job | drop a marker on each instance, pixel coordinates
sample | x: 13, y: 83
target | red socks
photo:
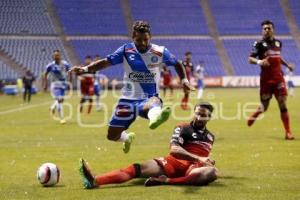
x: 118, y: 176
x: 286, y: 121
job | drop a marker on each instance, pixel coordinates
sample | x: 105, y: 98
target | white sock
x: 154, y: 112
x: 200, y: 93
x: 53, y: 106
x: 61, y: 110
x: 97, y: 101
x: 123, y: 137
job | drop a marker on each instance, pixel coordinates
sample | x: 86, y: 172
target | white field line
x: 23, y: 108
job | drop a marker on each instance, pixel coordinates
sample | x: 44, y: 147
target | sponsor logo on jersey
x: 277, y: 44
x: 264, y: 44
x: 154, y: 59
x: 142, y: 77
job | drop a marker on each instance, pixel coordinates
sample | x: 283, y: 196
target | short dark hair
x: 56, y: 50
x: 88, y: 57
x: 205, y: 105
x: 141, y: 27
x: 267, y: 22
x: 188, y: 53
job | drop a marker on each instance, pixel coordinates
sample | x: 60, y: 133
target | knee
x: 113, y: 135
x: 208, y: 176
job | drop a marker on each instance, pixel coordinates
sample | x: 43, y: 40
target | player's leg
x: 197, y: 176
x: 24, y: 94
x: 97, y: 93
x: 81, y: 103
x: 146, y: 169
x: 29, y: 94
x: 90, y: 104
x: 152, y: 109
x: 60, y: 109
x: 265, y: 101
x: 284, y: 116
x: 200, y: 89
x: 164, y: 90
x: 184, y: 100
x: 124, y: 114
x: 55, y: 92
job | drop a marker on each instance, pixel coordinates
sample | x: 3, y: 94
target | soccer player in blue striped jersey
x: 142, y: 61
x: 57, y: 70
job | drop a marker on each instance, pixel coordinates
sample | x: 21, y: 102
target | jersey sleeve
x: 169, y: 58
x: 177, y: 136
x: 254, y: 51
x: 67, y: 65
x: 48, y: 68
x: 116, y: 57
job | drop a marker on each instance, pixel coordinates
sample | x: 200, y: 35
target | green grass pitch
x: 255, y: 163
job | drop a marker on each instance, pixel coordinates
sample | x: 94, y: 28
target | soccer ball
x: 48, y: 174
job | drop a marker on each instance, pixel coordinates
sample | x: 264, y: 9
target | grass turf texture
x: 255, y: 163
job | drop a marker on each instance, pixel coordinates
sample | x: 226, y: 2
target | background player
x: 267, y: 54
x: 199, y: 75
x: 86, y: 87
x: 187, y: 164
x: 290, y: 84
x: 58, y: 72
x: 140, y: 94
x: 167, y: 80
x: 28, y: 80
x: 189, y: 68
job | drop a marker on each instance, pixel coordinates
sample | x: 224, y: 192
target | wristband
x: 85, y: 69
x: 185, y: 81
x: 259, y: 62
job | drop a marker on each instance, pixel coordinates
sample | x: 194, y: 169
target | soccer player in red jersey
x: 187, y: 164
x: 167, y: 79
x: 267, y: 54
x: 87, y: 87
x: 189, y: 68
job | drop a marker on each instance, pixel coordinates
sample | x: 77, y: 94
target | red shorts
x: 278, y: 89
x: 167, y: 82
x: 176, y: 168
x: 87, y: 88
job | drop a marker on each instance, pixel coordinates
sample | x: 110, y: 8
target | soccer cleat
x: 63, y: 121
x: 128, y: 142
x: 250, y: 122
x: 289, y: 136
x: 86, y: 175
x: 161, y: 118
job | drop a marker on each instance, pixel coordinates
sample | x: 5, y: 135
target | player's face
x: 56, y: 56
x: 141, y: 41
x: 188, y: 57
x: 267, y: 31
x: 201, y: 117
x: 87, y: 61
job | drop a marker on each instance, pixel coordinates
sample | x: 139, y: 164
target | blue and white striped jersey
x: 142, y: 71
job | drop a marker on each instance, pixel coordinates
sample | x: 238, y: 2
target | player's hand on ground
x: 77, y: 70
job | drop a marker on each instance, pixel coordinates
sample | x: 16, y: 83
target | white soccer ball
x: 48, y: 174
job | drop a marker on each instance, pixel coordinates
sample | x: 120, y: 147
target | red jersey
x: 166, y: 75
x: 270, y: 49
x: 189, y: 68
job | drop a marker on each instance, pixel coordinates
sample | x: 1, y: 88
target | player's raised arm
x: 93, y: 67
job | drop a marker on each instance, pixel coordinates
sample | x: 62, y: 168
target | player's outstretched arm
x: 93, y: 67
x: 182, y: 75
x: 264, y: 62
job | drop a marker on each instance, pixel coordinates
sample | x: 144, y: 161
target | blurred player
x: 167, y: 80
x: 267, y: 54
x: 28, y: 80
x: 97, y: 85
x: 57, y: 70
x: 199, y: 75
x: 189, y: 68
x: 87, y: 87
x: 290, y: 83
x: 187, y: 164
x: 142, y: 63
